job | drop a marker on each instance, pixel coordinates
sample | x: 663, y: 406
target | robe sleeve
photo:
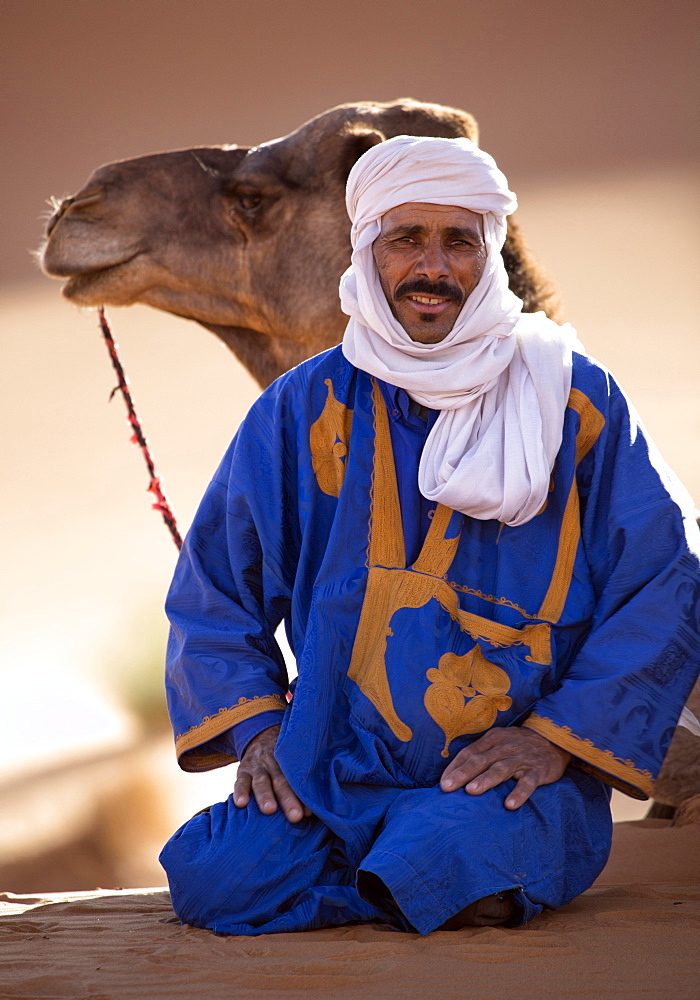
x: 616, y: 707
x: 226, y: 678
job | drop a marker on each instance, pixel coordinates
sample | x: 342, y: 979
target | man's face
x: 429, y: 258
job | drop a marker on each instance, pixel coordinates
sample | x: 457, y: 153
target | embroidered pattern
x: 591, y: 424
x: 471, y: 677
x: 629, y: 778
x: 329, y: 437
x: 503, y: 601
x: 386, y: 544
x: 391, y: 586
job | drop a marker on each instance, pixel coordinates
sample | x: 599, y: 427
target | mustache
x: 441, y: 289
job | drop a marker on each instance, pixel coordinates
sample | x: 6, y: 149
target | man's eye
x: 249, y: 202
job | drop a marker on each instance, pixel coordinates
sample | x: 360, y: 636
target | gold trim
x: 502, y: 601
x: 438, y: 552
x: 466, y: 694
x: 329, y: 439
x: 390, y: 590
x: 386, y: 546
x: 569, y: 535
x: 368, y: 662
x: 591, y: 423
x: 391, y: 586
x: 536, y: 636
x: 629, y: 778
x: 214, y: 725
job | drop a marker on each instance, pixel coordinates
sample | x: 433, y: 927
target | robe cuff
x: 602, y: 764
x: 234, y: 741
x: 244, y: 732
x: 198, y: 748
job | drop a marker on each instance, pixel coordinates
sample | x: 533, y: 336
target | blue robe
x: 415, y: 630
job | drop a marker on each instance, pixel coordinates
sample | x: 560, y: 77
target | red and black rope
x: 138, y: 436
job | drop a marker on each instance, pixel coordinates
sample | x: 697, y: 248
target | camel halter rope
x: 138, y: 437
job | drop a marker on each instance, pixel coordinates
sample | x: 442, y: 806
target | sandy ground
x: 633, y: 935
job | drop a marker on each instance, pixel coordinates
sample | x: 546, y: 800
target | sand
x: 634, y: 934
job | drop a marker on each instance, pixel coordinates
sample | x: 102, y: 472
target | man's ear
x: 355, y: 141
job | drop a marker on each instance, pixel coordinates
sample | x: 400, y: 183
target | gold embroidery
x: 570, y: 532
x: 390, y: 590
x: 536, y: 636
x: 622, y: 774
x: 471, y: 677
x: 329, y: 437
x: 214, y: 725
x: 590, y: 426
x: 391, y: 587
x: 386, y: 547
x: 368, y: 665
x: 438, y: 552
x: 503, y: 601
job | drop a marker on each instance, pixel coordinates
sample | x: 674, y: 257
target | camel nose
x: 84, y: 199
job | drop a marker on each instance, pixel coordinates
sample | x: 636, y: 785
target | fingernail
x: 295, y: 814
x: 447, y: 784
x: 472, y: 786
x: 510, y: 803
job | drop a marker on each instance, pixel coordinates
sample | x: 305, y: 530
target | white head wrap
x: 501, y: 377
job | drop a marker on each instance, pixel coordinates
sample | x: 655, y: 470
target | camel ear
x: 355, y: 142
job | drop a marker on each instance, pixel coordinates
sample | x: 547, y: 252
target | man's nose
x: 432, y: 262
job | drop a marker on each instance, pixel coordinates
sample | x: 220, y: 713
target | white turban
x: 501, y: 377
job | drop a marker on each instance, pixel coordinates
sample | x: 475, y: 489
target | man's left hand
x: 504, y: 753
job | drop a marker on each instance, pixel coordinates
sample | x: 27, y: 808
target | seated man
x: 486, y: 577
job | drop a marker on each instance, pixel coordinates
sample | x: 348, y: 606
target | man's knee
x: 213, y: 860
x: 230, y: 863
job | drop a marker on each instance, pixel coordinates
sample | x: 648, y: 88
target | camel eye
x: 249, y: 202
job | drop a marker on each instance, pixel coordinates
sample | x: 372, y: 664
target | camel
x: 250, y: 243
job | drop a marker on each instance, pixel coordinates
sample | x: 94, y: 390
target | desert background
x: 588, y: 109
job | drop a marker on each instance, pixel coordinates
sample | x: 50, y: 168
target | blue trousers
x: 237, y: 871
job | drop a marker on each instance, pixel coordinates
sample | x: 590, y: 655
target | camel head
x: 249, y: 242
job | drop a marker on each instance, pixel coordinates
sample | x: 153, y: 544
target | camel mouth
x: 88, y: 286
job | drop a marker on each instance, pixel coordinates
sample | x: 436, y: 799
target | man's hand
x: 259, y: 771
x: 505, y: 753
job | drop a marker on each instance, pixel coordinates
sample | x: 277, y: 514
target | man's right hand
x: 259, y: 771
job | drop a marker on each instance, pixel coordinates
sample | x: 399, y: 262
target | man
x: 486, y: 578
